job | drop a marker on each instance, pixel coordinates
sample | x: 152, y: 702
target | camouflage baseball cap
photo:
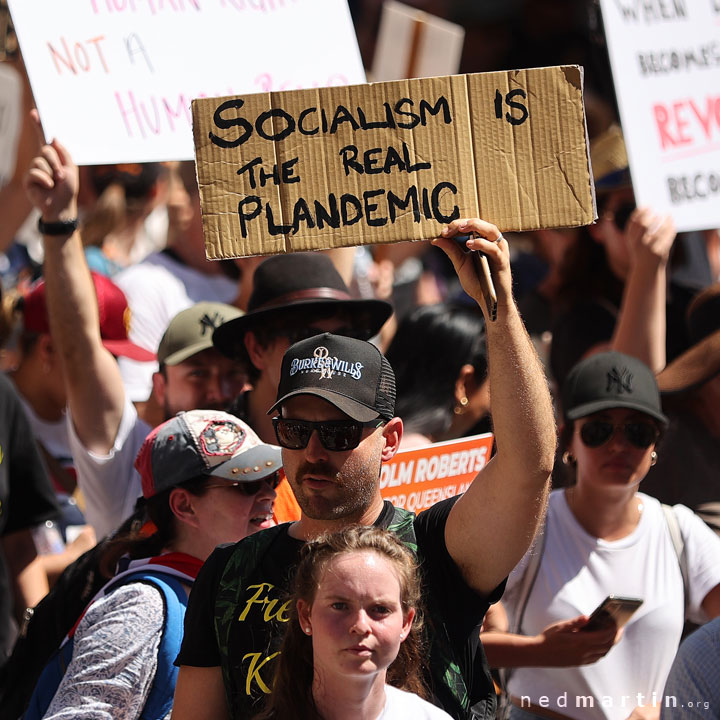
x: 191, y: 331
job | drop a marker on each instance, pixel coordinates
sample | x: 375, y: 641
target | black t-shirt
x: 260, y: 607
x: 26, y: 494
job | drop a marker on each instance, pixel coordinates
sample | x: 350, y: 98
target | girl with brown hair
x: 353, y: 644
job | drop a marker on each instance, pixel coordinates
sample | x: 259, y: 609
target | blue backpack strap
x: 160, y: 699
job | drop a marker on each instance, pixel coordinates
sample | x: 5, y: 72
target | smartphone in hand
x: 615, y: 610
x: 483, y: 270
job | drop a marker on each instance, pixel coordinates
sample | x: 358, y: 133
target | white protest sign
x: 10, y: 119
x: 411, y: 44
x: 665, y: 56
x: 113, y: 79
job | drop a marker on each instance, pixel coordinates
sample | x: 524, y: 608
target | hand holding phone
x: 614, y: 609
x: 482, y: 268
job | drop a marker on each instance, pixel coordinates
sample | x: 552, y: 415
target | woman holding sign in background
x: 602, y: 538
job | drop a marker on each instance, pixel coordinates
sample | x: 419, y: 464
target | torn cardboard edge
x: 393, y: 161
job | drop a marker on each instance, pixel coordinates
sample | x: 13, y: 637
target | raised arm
x: 95, y: 391
x: 492, y: 525
x: 641, y: 324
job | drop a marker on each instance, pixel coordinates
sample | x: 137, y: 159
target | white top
x: 114, y: 657
x: 158, y: 289
x: 400, y: 705
x: 578, y: 571
x: 109, y: 483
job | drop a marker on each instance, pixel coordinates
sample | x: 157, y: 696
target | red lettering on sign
x: 687, y: 122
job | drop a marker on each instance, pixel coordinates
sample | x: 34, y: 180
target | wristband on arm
x: 60, y: 227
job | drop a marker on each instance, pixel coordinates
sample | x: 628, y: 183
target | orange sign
x: 416, y: 479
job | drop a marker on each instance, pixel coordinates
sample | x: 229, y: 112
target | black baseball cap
x: 351, y: 374
x: 611, y: 380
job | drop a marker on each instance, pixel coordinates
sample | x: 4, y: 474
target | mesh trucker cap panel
x: 385, y: 394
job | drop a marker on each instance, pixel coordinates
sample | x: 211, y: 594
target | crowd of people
x: 190, y: 507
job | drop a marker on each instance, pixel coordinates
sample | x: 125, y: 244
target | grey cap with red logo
x: 351, y: 374
x: 203, y: 442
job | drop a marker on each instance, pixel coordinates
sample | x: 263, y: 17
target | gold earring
x: 653, y: 458
x: 567, y: 458
x: 460, y: 408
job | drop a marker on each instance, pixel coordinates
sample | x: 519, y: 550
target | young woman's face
x: 624, y: 457
x: 356, y: 620
x: 227, y: 514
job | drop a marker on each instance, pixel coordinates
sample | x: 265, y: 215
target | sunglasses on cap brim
x: 335, y: 435
x: 639, y: 433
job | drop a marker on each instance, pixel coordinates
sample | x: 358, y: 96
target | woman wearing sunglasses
x: 207, y: 479
x: 602, y: 537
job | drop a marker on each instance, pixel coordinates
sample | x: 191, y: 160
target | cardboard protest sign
x: 416, y: 479
x: 113, y: 79
x: 384, y: 162
x: 665, y: 58
x: 411, y: 43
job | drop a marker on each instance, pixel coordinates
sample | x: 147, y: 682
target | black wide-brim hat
x: 307, y: 281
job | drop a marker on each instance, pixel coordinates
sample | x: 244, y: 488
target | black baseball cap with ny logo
x: 351, y: 374
x: 611, y: 380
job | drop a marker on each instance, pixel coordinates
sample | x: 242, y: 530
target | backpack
x: 46, y: 625
x: 160, y: 699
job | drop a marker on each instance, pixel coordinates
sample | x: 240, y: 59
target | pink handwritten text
x: 154, y: 6
x: 79, y: 56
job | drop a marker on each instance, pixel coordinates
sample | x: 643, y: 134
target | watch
x: 60, y: 227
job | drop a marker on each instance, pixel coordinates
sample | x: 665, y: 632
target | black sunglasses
x: 335, y: 435
x: 249, y: 487
x: 639, y: 434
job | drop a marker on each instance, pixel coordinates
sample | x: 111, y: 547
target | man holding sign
x: 335, y: 420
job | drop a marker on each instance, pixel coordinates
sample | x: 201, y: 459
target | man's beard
x: 352, y: 491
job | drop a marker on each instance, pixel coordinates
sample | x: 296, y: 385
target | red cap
x: 114, y: 317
